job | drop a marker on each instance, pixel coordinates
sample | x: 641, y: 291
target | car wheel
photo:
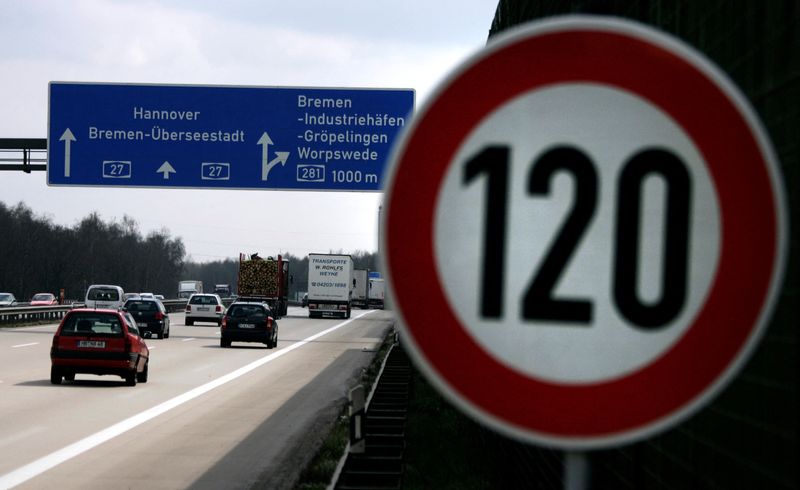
x: 160, y: 335
x: 224, y: 343
x: 142, y: 377
x: 166, y: 335
x: 189, y: 323
x: 69, y: 376
x: 131, y: 378
x: 55, y: 375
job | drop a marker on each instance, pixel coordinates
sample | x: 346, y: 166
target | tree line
x: 37, y: 255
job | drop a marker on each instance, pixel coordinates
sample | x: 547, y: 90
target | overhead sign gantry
x: 294, y: 138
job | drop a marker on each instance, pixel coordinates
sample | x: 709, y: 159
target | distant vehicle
x: 360, y: 288
x: 204, y: 308
x: 128, y: 296
x: 223, y: 290
x: 159, y: 296
x: 150, y: 315
x: 44, y: 299
x: 105, y: 296
x: 249, y: 322
x: 147, y: 295
x: 330, y: 285
x: 377, y: 291
x: 7, y: 299
x: 264, y: 280
x: 98, y: 342
x: 188, y: 288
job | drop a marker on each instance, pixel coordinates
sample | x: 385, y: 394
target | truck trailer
x: 377, y: 291
x: 188, y: 288
x: 360, y: 288
x: 264, y: 280
x: 330, y: 285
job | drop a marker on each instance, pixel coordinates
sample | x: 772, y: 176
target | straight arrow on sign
x: 67, y: 138
x: 166, y: 169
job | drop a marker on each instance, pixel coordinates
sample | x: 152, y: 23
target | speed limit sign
x: 585, y: 233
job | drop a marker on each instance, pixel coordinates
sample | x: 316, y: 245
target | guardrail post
x: 357, y: 411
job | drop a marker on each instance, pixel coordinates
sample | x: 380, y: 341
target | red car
x: 98, y: 342
x: 44, y: 299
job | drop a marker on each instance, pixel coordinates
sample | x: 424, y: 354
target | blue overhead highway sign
x: 293, y: 138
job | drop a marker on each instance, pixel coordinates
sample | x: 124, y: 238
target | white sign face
x: 607, y: 344
x: 570, y: 233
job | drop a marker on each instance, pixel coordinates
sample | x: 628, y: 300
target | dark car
x: 249, y: 322
x: 98, y: 342
x: 150, y: 315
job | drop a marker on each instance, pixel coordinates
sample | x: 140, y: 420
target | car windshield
x: 42, y: 297
x: 246, y: 311
x: 141, y: 305
x: 203, y: 300
x: 94, y: 324
x: 104, y: 294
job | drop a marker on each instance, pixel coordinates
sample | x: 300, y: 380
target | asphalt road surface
x: 208, y: 417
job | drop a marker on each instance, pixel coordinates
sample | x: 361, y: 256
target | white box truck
x: 330, y: 285
x: 377, y: 291
x: 188, y: 288
x: 360, y: 288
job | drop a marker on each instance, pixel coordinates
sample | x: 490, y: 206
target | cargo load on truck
x: 264, y: 279
x: 330, y: 285
x: 360, y: 287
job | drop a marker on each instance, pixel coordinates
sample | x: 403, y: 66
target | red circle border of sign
x: 724, y: 330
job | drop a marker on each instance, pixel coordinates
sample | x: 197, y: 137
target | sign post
x: 598, y: 230
x: 293, y: 138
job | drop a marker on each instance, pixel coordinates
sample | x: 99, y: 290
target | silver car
x: 203, y: 307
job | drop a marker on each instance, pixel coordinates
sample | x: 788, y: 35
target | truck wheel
x: 189, y: 323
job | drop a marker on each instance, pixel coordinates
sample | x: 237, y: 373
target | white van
x: 104, y: 296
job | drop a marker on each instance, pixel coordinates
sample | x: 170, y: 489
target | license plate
x: 92, y: 344
x: 203, y: 308
x: 246, y: 325
x: 327, y: 307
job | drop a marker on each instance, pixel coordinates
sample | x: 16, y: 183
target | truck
x: 266, y: 280
x: 188, y: 288
x: 360, y: 288
x: 377, y: 291
x: 223, y: 290
x: 330, y: 285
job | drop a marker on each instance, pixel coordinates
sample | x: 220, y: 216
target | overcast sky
x: 318, y: 43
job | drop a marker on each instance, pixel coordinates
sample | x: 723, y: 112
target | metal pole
x: 576, y: 470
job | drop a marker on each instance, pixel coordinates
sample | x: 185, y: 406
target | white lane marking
x: 24, y: 345
x: 189, y: 339
x: 45, y: 463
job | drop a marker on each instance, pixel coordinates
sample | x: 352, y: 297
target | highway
x: 207, y: 418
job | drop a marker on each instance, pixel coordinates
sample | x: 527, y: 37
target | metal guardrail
x: 22, y: 313
x: 33, y: 314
